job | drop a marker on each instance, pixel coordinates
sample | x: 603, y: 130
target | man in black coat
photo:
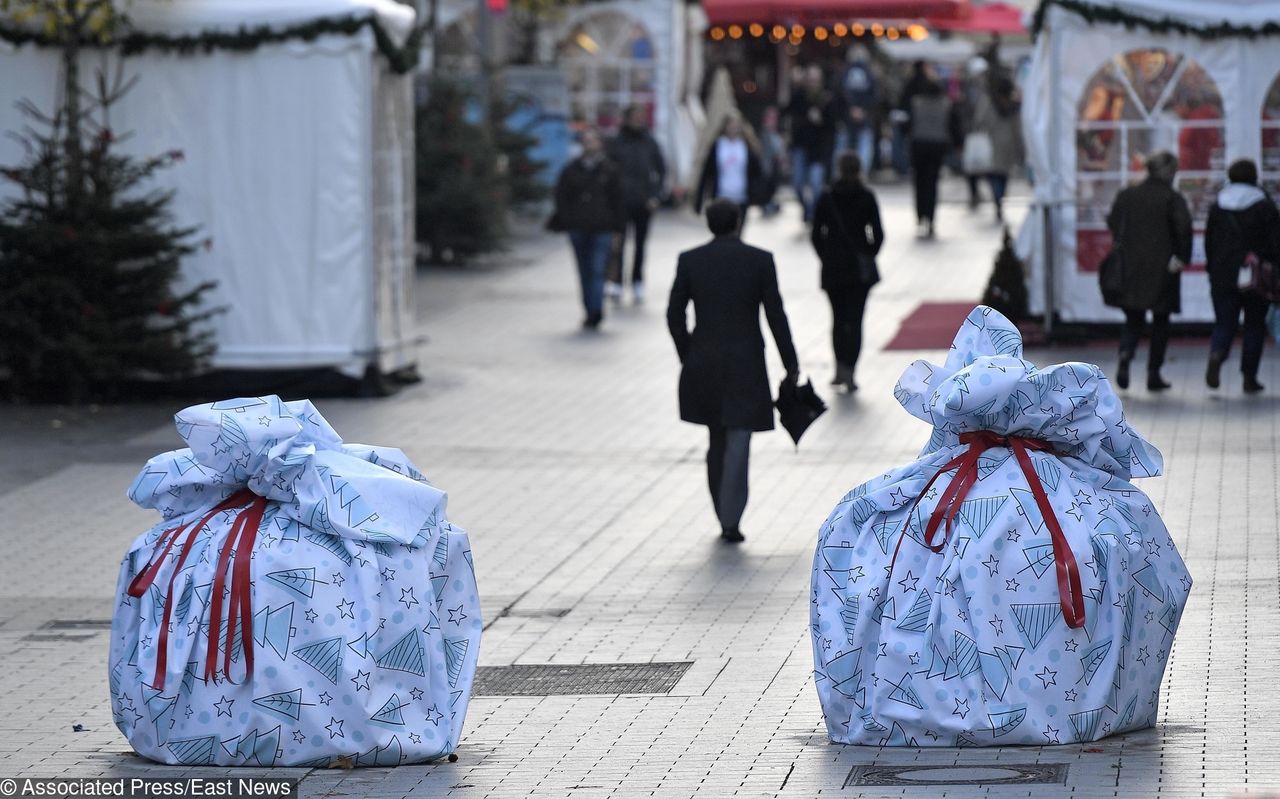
x: 643, y: 172
x: 1151, y: 225
x: 723, y: 383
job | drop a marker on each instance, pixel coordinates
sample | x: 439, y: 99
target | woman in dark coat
x: 1242, y: 220
x: 1151, y: 224
x: 846, y: 232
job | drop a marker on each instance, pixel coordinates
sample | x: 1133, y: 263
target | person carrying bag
x: 847, y: 235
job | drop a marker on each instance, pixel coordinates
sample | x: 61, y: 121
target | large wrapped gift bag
x: 304, y: 600
x: 1012, y: 586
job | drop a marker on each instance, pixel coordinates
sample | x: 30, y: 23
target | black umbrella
x: 798, y: 407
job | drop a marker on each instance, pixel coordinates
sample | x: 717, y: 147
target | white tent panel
x: 1068, y: 53
x: 289, y: 170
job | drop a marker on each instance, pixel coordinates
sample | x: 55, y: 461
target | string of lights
x: 833, y: 33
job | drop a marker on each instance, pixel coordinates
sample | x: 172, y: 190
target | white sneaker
x: 637, y: 293
x: 613, y: 291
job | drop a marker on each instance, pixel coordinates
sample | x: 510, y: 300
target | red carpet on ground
x: 931, y: 326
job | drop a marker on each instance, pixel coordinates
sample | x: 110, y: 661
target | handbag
x: 1257, y: 275
x: 1111, y: 272
x: 979, y: 153
x: 1264, y: 278
x: 867, y: 271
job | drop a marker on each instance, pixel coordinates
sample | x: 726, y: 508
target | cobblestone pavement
x: 595, y: 543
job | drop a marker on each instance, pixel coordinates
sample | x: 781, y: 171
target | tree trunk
x: 71, y: 111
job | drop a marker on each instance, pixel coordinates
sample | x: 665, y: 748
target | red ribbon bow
x: 1070, y: 594
x: 244, y: 530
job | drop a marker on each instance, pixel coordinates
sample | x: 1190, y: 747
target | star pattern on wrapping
x: 415, y: 737
x: 311, y: 615
x: 407, y: 597
x: 361, y: 680
x: 337, y: 578
x: 345, y: 609
x: 1071, y: 695
x: 335, y: 728
x: 434, y: 716
x: 388, y: 573
x: 224, y: 706
x: 325, y: 698
x: 1012, y: 585
x: 909, y: 579
x: 914, y: 657
x: 1075, y: 512
x: 1070, y: 645
x: 997, y: 624
x: 826, y: 644
x: 1143, y: 654
x: 962, y: 708
x: 416, y: 693
x: 1048, y: 677
x: 1014, y: 535
x: 298, y: 736
x: 897, y: 497
x: 993, y: 565
x: 1050, y: 734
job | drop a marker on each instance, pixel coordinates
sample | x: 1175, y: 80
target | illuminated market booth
x: 1112, y: 81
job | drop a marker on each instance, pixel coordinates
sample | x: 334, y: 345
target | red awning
x: 988, y: 18
x: 721, y: 12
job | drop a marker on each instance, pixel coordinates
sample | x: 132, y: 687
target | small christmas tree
x: 469, y: 172
x: 461, y: 202
x: 89, y: 263
x: 1007, y: 288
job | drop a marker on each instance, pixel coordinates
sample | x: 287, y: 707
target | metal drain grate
x: 535, y: 613
x: 590, y: 678
x: 992, y: 774
x: 69, y: 630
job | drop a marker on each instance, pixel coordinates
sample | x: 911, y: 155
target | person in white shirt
x: 732, y: 169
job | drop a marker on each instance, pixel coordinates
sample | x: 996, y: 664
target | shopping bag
x: 1011, y: 586
x: 303, y: 602
x: 978, y: 156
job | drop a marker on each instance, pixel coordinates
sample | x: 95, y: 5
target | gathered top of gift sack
x: 286, y: 452
x: 305, y: 602
x: 986, y: 385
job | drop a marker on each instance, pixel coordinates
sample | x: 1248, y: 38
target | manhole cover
x: 590, y: 678
x: 1001, y: 774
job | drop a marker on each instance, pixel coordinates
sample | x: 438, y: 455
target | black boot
x: 1156, y: 383
x: 1251, y: 384
x: 732, y: 535
x: 1213, y: 373
x: 1122, y: 373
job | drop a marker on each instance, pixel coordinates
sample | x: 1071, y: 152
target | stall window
x: 608, y: 63
x: 1271, y: 139
x: 1139, y: 102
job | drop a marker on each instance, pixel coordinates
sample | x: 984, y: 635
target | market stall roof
x: 986, y: 18
x: 1195, y: 17
x: 724, y: 11
x: 188, y: 16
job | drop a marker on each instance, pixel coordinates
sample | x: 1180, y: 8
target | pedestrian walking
x: 997, y: 116
x: 1243, y: 221
x: 859, y: 96
x: 774, y: 162
x: 1151, y: 226
x: 932, y: 129
x: 977, y: 154
x: 589, y: 208
x: 643, y: 172
x: 731, y: 171
x: 811, y: 115
x: 724, y: 383
x: 847, y: 236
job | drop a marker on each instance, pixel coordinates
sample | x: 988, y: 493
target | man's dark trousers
x: 727, y: 460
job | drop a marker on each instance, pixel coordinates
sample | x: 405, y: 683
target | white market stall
x: 298, y: 167
x: 1112, y: 80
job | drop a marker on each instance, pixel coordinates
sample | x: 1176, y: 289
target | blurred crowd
x: 909, y: 121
